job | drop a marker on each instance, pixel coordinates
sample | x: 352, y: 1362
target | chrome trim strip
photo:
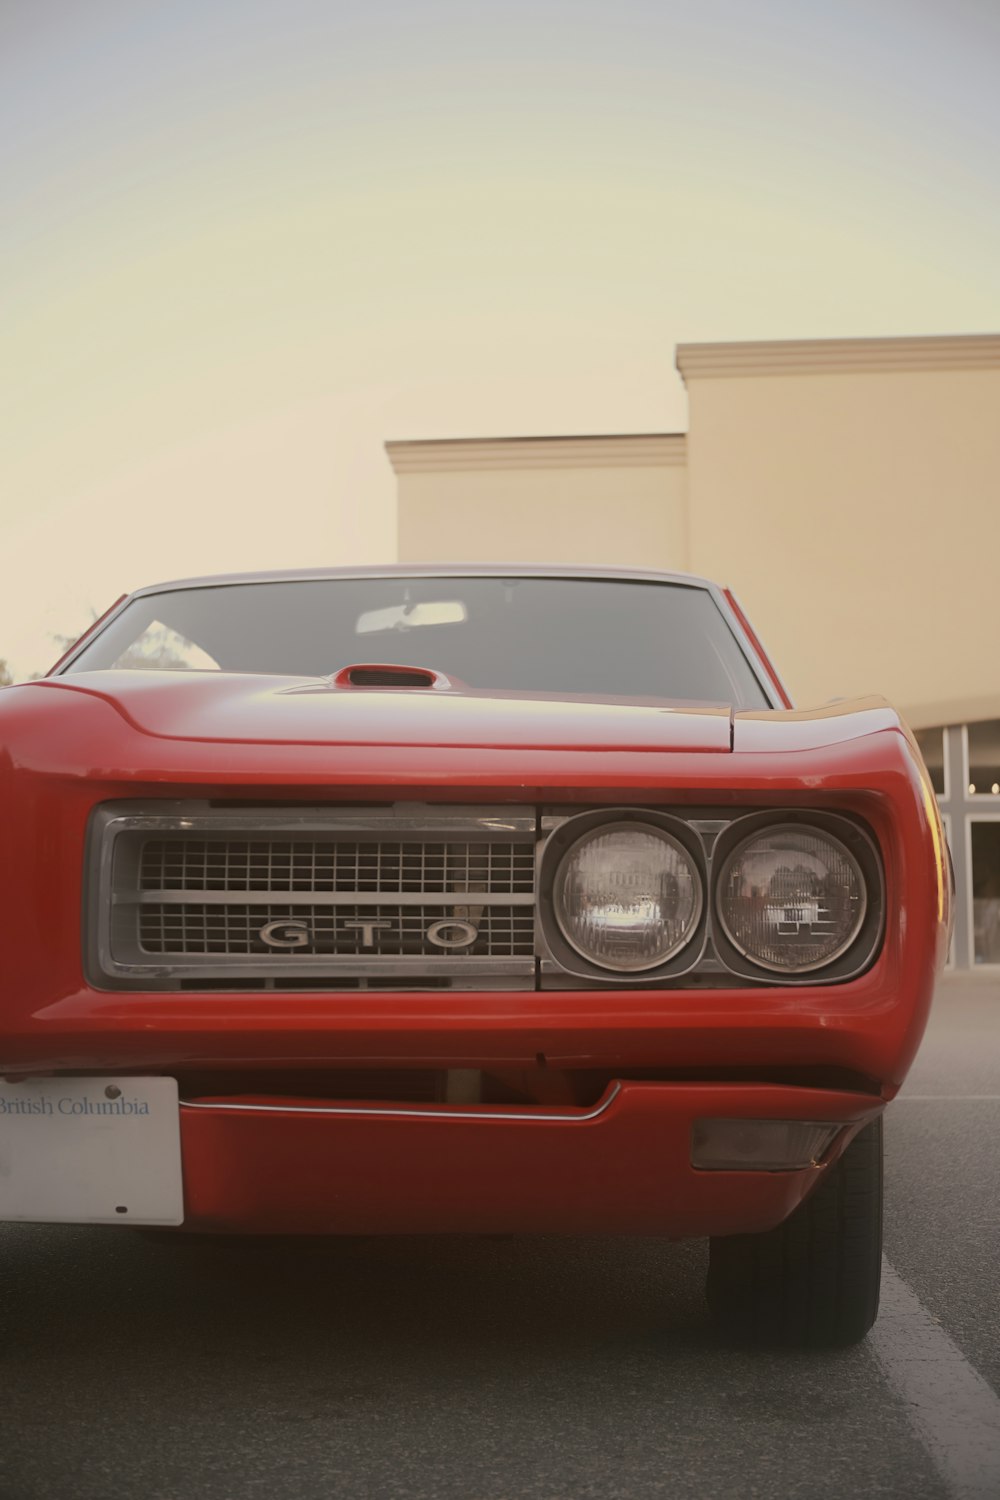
x: 334, y: 966
x: 398, y: 818
x: 425, y: 570
x: 242, y: 895
x: 60, y: 668
x: 746, y: 647
x: 423, y: 1114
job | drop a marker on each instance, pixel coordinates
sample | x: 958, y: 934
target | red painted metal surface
x: 244, y: 710
x: 68, y: 744
x: 626, y: 1169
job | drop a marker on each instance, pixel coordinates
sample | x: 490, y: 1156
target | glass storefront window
x: 984, y: 759
x: 931, y: 742
x: 986, y: 890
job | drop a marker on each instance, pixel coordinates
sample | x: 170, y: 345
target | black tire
x: 814, y: 1281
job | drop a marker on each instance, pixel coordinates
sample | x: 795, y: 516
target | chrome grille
x: 188, y: 891
x: 336, y: 865
x: 504, y: 932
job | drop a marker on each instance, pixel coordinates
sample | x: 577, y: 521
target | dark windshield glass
x: 562, y: 635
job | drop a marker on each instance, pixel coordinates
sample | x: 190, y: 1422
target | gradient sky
x: 243, y: 242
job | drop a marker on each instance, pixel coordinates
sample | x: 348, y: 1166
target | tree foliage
x: 157, y: 649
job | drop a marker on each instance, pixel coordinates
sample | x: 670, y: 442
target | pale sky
x: 244, y: 242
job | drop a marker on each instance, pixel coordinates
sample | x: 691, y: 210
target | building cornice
x: 641, y: 450
x: 967, y: 710
x: 973, y: 351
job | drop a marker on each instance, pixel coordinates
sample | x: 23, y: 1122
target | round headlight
x: 791, y: 898
x: 627, y: 896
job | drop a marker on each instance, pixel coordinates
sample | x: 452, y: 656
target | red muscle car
x: 464, y: 899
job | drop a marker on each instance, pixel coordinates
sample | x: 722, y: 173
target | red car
x: 464, y: 899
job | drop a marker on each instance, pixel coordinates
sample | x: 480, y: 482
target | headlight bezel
x: 554, y: 852
x: 709, y: 835
x: 858, y: 951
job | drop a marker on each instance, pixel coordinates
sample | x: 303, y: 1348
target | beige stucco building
x: 847, y: 490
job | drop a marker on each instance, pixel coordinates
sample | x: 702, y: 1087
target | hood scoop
x: 383, y: 675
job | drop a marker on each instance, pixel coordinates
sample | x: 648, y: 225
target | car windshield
x: 593, y: 637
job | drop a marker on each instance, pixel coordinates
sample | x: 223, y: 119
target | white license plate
x: 91, y: 1151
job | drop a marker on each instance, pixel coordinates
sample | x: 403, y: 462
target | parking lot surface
x: 493, y: 1368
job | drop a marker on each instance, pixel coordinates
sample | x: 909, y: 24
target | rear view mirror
x: 403, y: 617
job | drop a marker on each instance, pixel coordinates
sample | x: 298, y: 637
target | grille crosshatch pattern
x: 308, y: 864
x: 201, y: 892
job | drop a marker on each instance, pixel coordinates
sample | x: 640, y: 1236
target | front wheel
x: 813, y: 1282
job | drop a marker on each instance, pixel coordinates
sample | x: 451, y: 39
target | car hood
x: 248, y: 709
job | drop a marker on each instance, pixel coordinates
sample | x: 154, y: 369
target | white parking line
x: 947, y: 1098
x: 955, y: 1413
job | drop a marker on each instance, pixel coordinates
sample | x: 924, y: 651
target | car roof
x: 431, y: 570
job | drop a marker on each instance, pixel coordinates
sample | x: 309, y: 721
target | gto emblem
x: 284, y: 934
x: 448, y: 933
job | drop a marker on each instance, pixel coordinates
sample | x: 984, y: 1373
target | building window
x: 932, y: 748
x: 985, y: 842
x: 984, y: 759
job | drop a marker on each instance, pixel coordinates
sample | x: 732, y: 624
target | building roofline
x: 622, y: 450
x: 965, y: 351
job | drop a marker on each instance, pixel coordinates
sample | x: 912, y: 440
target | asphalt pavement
x: 495, y: 1368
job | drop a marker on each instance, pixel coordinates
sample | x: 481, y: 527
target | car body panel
x: 277, y: 1166
x: 234, y: 708
x: 71, y: 743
